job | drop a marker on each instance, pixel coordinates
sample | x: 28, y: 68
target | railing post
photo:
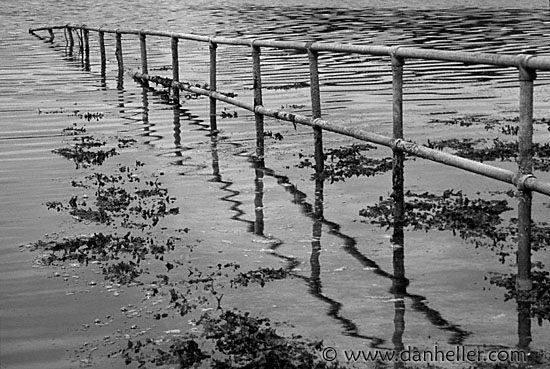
x: 175, y: 69
x: 118, y: 53
x: 213, y: 82
x: 71, y: 40
x: 315, y: 92
x: 143, y: 49
x: 398, y: 155
x: 258, y: 101
x: 525, y: 168
x: 102, y: 53
x: 86, y: 36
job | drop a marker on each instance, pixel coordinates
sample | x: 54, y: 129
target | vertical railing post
x: 143, y: 49
x: 315, y: 92
x: 213, y: 83
x: 118, y: 53
x: 399, y: 282
x: 258, y: 101
x: 102, y: 53
x: 175, y: 69
x: 86, y: 36
x: 398, y: 155
x: 525, y: 169
x: 71, y: 40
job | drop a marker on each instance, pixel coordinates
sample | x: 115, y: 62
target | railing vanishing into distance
x: 527, y: 66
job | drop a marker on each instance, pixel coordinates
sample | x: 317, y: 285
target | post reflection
x: 524, y: 325
x: 398, y: 289
x: 318, y: 209
x: 259, y: 199
x: 216, y: 176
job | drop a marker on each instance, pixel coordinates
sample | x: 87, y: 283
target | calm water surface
x: 342, y: 294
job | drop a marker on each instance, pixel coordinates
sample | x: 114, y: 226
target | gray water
x: 44, y: 91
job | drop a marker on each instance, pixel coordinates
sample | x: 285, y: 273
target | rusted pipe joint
x: 398, y: 144
x: 254, y: 47
x: 396, y: 59
x: 526, y: 73
x: 520, y: 181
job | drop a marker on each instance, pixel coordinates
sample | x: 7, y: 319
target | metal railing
x: 527, y: 65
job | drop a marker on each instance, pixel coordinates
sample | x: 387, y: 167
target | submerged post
x: 118, y: 53
x: 398, y: 155
x: 103, y: 56
x: 315, y: 92
x: 143, y: 49
x: 213, y: 82
x: 258, y: 101
x: 525, y: 168
x: 175, y: 69
x: 86, y: 36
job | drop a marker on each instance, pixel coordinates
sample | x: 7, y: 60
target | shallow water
x: 344, y: 269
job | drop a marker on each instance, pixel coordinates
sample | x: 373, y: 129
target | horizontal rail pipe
x: 502, y: 60
x: 500, y: 174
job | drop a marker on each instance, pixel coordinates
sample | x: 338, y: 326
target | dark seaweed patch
x: 260, y: 276
x: 74, y: 130
x: 346, y: 162
x: 231, y: 340
x: 500, y: 150
x: 538, y: 297
x: 506, y: 126
x: 84, y: 152
x: 115, y: 200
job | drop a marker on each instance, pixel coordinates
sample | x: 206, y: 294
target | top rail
x: 502, y: 60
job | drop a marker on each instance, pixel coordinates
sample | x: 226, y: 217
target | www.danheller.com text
x: 410, y: 354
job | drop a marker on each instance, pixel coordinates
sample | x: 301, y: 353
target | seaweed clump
x: 346, y: 162
x: 477, y: 149
x: 476, y: 220
x: 230, y: 340
x: 84, y: 152
x: 538, y: 297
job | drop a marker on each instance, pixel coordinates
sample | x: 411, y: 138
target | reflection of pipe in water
x: 524, y: 325
x: 399, y: 290
x: 314, y: 281
x: 177, y: 128
x: 258, y: 200
x: 145, y: 106
x: 215, y: 159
